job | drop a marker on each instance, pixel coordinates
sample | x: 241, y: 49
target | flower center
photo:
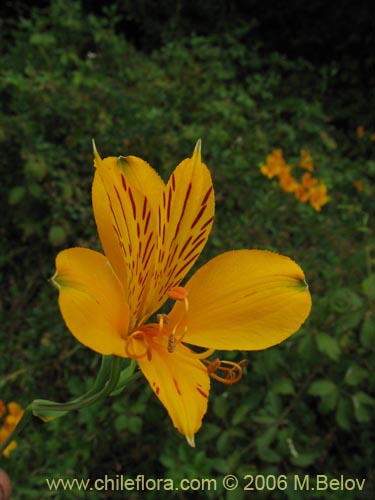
x: 152, y: 335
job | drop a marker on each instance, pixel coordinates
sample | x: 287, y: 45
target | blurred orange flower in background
x: 308, y: 189
x: 14, y: 414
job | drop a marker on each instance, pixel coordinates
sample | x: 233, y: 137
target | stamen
x: 202, y: 355
x: 171, y: 342
x: 177, y: 293
x: 141, y: 336
x: 162, y: 319
x: 232, y: 371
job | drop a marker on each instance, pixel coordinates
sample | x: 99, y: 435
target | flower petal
x: 185, y: 218
x: 92, y: 300
x: 126, y: 224
x: 245, y: 300
x: 181, y: 383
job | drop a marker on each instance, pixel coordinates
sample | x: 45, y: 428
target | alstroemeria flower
x: 152, y: 234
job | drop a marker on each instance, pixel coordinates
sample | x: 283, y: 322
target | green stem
x: 106, y: 382
x: 91, y: 397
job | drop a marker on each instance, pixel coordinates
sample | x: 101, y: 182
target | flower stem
x: 108, y: 378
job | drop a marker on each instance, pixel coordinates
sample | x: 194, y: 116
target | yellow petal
x: 245, y: 300
x: 185, y: 219
x: 92, y: 300
x: 127, y: 223
x: 181, y: 383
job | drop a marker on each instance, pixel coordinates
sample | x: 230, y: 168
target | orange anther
x: 178, y: 293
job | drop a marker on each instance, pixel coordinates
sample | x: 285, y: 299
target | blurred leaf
x: 322, y: 388
x: 368, y: 286
x: 16, y: 195
x: 363, y: 406
x: 328, y: 345
x: 344, y: 413
x: 57, y: 235
x: 367, y: 334
x: 355, y: 375
x: 304, y: 459
x: 283, y: 386
x: 220, y: 407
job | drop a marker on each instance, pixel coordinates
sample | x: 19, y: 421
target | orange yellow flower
x: 303, y: 191
x: 318, y: 196
x: 274, y: 164
x: 358, y: 184
x: 14, y: 415
x: 306, y: 160
x: 360, y: 131
x: 152, y: 233
x: 2, y: 408
x: 287, y: 182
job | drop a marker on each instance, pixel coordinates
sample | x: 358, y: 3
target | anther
x: 178, y: 293
x: 171, y: 342
x: 232, y: 372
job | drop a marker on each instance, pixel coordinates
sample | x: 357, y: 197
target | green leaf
x: 363, y: 406
x: 241, y: 414
x: 368, y: 286
x: 344, y: 413
x: 328, y: 393
x: 283, y: 386
x: 367, y: 334
x: 328, y: 346
x: 304, y: 459
x: 16, y: 195
x: 220, y: 406
x: 265, y: 439
x: 268, y: 455
x: 344, y: 300
x: 57, y: 235
x: 355, y: 375
x: 322, y: 388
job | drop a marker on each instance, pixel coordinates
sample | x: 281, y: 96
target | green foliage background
x: 68, y: 74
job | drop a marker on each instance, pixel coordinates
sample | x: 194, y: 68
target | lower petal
x: 92, y: 300
x: 182, y: 385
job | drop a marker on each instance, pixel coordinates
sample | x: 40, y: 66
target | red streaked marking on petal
x: 206, y: 196
x: 184, y: 247
x: 195, y: 247
x: 176, y: 385
x: 123, y: 182
x: 169, y: 204
x: 198, y: 217
x: 147, y: 222
x: 183, y: 209
x: 207, y: 223
x: 186, y: 264
x: 146, y: 248
x: 133, y: 204
x: 202, y: 393
x: 144, y: 208
x: 149, y: 255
